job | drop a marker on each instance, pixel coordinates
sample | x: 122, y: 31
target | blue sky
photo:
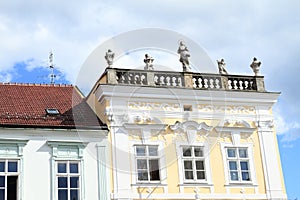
x: 234, y: 30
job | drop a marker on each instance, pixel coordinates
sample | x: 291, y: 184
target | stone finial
x: 221, y: 66
x: 184, y: 56
x: 255, y: 65
x: 109, y: 57
x: 149, y: 62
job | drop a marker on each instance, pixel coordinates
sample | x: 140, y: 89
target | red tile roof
x: 23, y: 105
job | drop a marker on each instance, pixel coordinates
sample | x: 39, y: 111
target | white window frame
x: 249, y: 147
x: 68, y: 175
x: 67, y: 152
x: 6, y: 173
x: 147, y: 157
x: 206, y: 159
x: 193, y: 159
x: 12, y: 150
x: 162, y: 165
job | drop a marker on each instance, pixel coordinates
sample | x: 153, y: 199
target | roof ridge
x: 36, y: 84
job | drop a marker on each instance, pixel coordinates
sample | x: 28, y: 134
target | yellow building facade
x: 185, y: 135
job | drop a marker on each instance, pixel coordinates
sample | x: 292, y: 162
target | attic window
x: 187, y: 108
x: 52, y: 111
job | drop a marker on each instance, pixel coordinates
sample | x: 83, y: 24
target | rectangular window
x: 238, y: 164
x: 9, y: 175
x: 68, y: 180
x: 147, y: 162
x: 193, y: 163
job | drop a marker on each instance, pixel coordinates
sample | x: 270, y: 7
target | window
x: 52, y: 111
x: 9, y: 175
x: 68, y: 180
x: 147, y: 162
x: 238, y: 164
x: 193, y: 163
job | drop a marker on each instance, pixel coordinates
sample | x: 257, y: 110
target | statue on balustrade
x: 255, y: 65
x: 109, y: 57
x: 149, y: 62
x: 221, y: 65
x: 184, y: 56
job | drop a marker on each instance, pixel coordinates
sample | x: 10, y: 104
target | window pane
x: 74, y: 182
x: 13, y: 166
x: 187, y: 152
x: 231, y: 153
x: 62, y: 182
x: 152, y: 151
x: 188, y: 164
x: 74, y: 168
x: 74, y: 195
x: 245, y: 176
x: 2, y: 181
x: 2, y: 193
x: 234, y: 176
x: 154, y: 170
x: 140, y: 150
x: 244, y: 165
x: 243, y: 153
x: 142, y: 175
x: 142, y: 164
x: 232, y: 165
x: 198, y: 152
x: 62, y: 195
x: 2, y: 166
x: 200, y: 175
x: 200, y: 165
x: 189, y: 175
x: 61, y: 167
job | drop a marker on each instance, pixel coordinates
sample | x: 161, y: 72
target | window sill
x: 149, y: 184
x: 242, y: 184
x: 196, y: 184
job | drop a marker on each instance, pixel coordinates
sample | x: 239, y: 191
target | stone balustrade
x: 203, y: 81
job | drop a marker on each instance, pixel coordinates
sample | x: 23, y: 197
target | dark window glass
x: 62, y: 182
x: 198, y: 152
x: 189, y: 175
x: 74, y: 182
x: 234, y: 176
x: 2, y: 194
x: 2, y: 166
x: 200, y: 175
x: 74, y: 168
x: 154, y: 170
x: 152, y: 151
x: 199, y: 165
x: 62, y: 194
x: 243, y: 153
x: 2, y: 181
x: 244, y: 165
x: 188, y: 164
x: 62, y: 168
x: 187, y: 151
x: 142, y: 175
x: 232, y: 165
x: 13, y: 166
x: 231, y: 153
x: 142, y: 164
x: 141, y: 151
x: 74, y: 194
x: 245, y: 176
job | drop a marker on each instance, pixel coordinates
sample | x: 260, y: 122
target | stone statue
x: 184, y: 56
x: 255, y: 65
x: 221, y: 65
x: 149, y: 62
x: 109, y: 57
